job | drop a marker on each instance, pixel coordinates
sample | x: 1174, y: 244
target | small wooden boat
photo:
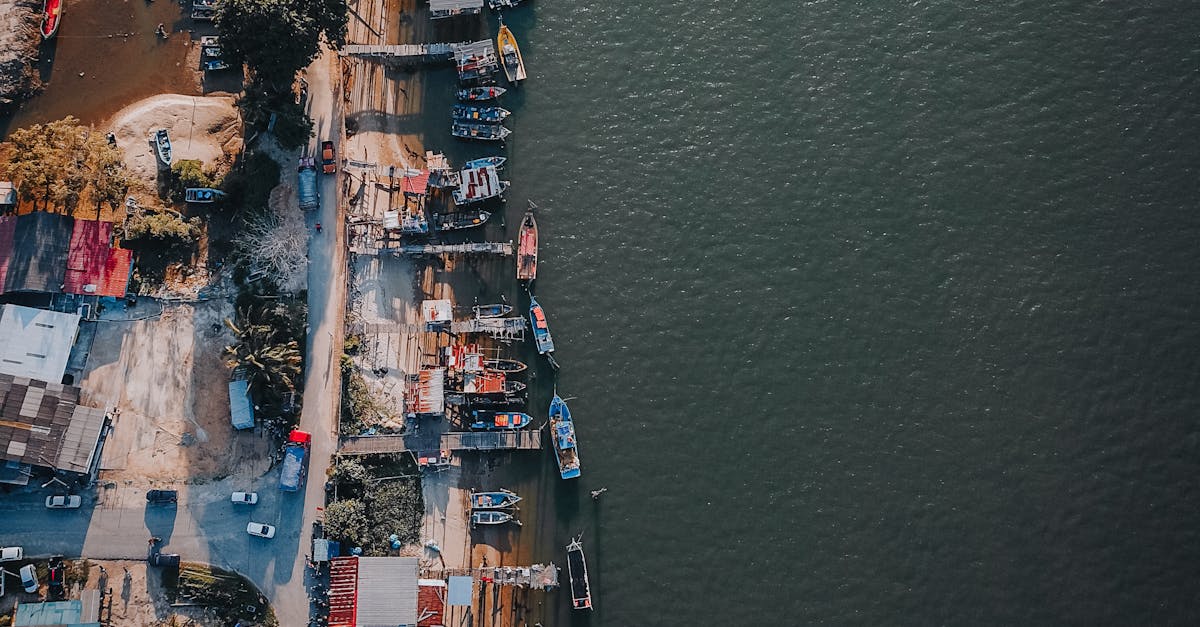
x: 581, y: 592
x: 490, y: 383
x: 496, y: 5
x: 493, y: 402
x: 210, y: 41
x: 473, y: 94
x: 475, y: 164
x: 562, y: 432
x: 527, y: 247
x: 492, y: 517
x: 541, y: 330
x: 507, y: 366
x: 510, y: 55
x: 482, y: 132
x: 202, y: 194
x: 215, y: 65
x: 498, y: 310
x: 203, y: 14
x: 471, y: 113
x: 162, y: 143
x: 212, y: 51
x: 204, y: 4
x: 51, y: 17
x: 484, y: 420
x: 460, y: 220
x: 500, y: 499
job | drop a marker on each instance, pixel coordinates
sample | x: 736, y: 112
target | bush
x: 376, y: 500
x: 187, y: 173
x: 250, y: 184
x: 163, y: 227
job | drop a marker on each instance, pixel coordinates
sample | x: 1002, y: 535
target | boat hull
x: 562, y: 434
x: 507, y: 366
x: 541, y: 329
x: 510, y: 55
x: 52, y: 11
x: 502, y: 499
x: 581, y: 590
x: 527, y: 248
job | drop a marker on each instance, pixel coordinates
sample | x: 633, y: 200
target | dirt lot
x: 164, y: 375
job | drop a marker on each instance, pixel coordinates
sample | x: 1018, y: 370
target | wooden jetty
x: 402, y: 53
x: 470, y: 248
x: 499, y: 328
x: 536, y: 577
x: 525, y: 440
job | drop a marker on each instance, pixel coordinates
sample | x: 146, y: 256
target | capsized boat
x: 541, y: 330
x: 499, y: 420
x: 500, y: 499
x: 51, y: 16
x: 162, y: 143
x: 507, y: 366
x: 527, y: 248
x: 510, y: 55
x: 475, y: 164
x: 497, y: 310
x: 492, y: 517
x: 581, y: 592
x: 482, y: 132
x: 472, y: 94
x: 460, y: 220
x: 472, y: 113
x: 202, y: 194
x: 562, y: 430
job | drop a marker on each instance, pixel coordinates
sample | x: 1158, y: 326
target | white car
x: 11, y: 554
x: 261, y: 530
x: 29, y: 578
x: 244, y: 498
x: 60, y: 501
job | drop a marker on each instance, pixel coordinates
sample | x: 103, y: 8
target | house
x: 373, y: 591
x: 33, y: 252
x: 36, y: 343
x: 43, y: 425
x: 94, y: 267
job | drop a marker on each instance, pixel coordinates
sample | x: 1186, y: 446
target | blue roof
x: 241, y: 408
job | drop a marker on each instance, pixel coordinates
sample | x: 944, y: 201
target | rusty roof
x: 42, y: 424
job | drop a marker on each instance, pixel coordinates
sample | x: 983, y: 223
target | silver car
x: 11, y: 554
x: 63, y: 501
x: 29, y: 578
x: 261, y: 530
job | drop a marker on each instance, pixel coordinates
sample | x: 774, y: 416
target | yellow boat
x: 510, y: 55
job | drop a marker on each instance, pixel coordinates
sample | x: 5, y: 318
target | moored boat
x: 460, y: 220
x: 214, y: 65
x: 471, y: 94
x: 482, y: 132
x: 472, y: 113
x: 499, y: 499
x: 204, y: 14
x: 581, y: 591
x: 507, y: 366
x: 162, y: 144
x: 202, y: 194
x: 541, y: 329
x: 496, y: 5
x: 484, y: 420
x: 510, y: 55
x: 562, y: 432
x: 475, y: 164
x: 497, y: 310
x: 492, y: 517
x: 210, y: 41
x: 478, y: 184
x: 527, y: 247
x: 51, y: 17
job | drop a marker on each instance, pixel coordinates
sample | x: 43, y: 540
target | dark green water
x: 873, y: 314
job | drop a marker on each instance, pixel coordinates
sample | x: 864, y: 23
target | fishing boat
x: 497, y: 310
x: 472, y: 113
x: 203, y: 14
x: 482, y: 132
x: 527, y: 248
x: 541, y: 330
x: 460, y: 220
x: 490, y: 383
x: 581, y: 592
x: 202, y: 194
x: 484, y: 420
x: 474, y: 94
x: 507, y: 366
x: 562, y: 430
x: 510, y: 55
x: 500, y: 499
x: 215, y: 65
x: 494, y: 402
x: 162, y: 143
x: 51, y: 16
x: 475, y: 164
x: 477, y: 185
x: 210, y: 41
x: 496, y: 5
x: 213, y: 51
x: 204, y: 4
x: 492, y: 517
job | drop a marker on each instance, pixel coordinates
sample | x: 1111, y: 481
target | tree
x: 63, y: 162
x: 162, y: 226
x: 276, y: 38
x: 273, y: 362
x: 346, y: 520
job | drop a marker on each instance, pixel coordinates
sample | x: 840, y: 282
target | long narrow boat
x: 498, y: 310
x: 581, y: 592
x: 492, y: 517
x: 474, y: 94
x: 500, y: 499
x: 562, y: 430
x: 460, y: 220
x: 510, y: 55
x: 541, y: 330
x: 527, y: 248
x: 475, y: 164
x: 472, y: 113
x: 202, y: 194
x: 507, y: 366
x: 216, y: 65
x: 494, y: 402
x: 499, y: 420
x: 482, y: 132
x: 162, y: 143
x: 51, y: 17
x: 490, y: 383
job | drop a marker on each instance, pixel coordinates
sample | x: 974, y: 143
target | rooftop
x: 373, y: 591
x: 33, y: 252
x: 42, y: 424
x: 94, y: 267
x: 36, y: 343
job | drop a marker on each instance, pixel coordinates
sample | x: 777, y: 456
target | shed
x: 33, y: 252
x: 241, y: 406
x: 81, y: 612
x: 36, y: 343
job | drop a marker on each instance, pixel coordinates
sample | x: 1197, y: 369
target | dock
x: 401, y: 53
x: 524, y: 440
x: 471, y: 248
x: 506, y: 329
x: 535, y: 577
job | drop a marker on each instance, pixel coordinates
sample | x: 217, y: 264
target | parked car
x: 244, y: 498
x: 63, y: 501
x: 162, y: 496
x: 164, y: 559
x: 261, y: 530
x: 56, y: 576
x: 328, y: 158
x: 29, y: 578
x: 11, y: 554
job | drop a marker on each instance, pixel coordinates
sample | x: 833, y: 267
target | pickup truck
x: 294, y: 452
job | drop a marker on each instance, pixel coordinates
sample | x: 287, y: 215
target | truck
x: 309, y: 199
x: 294, y: 453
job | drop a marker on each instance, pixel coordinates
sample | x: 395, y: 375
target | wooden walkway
x: 525, y: 440
x: 473, y: 248
x: 430, y: 53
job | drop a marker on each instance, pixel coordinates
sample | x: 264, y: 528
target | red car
x: 328, y: 161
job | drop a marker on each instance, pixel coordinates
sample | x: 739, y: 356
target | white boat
x: 162, y: 143
x: 492, y: 517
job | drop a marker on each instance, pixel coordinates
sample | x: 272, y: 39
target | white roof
x: 387, y: 591
x: 36, y: 343
x: 440, y: 310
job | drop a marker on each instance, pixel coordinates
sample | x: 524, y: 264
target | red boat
x: 51, y: 16
x: 527, y: 246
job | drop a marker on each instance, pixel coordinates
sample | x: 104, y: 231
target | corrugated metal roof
x: 37, y: 257
x: 94, y: 267
x: 47, y: 427
x: 431, y: 602
x: 387, y: 591
x: 57, y: 613
x: 241, y: 407
x: 36, y: 343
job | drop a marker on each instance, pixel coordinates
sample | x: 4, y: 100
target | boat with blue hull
x: 541, y: 330
x: 472, y: 113
x: 501, y: 499
x: 562, y: 430
x: 475, y: 164
x: 499, y: 420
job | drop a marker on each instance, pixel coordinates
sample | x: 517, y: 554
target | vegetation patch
x: 374, y: 498
x: 65, y: 166
x: 229, y: 595
x: 269, y: 353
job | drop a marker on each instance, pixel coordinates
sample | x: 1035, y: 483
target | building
x: 94, y: 267
x: 33, y: 252
x: 35, y: 343
x: 42, y: 425
x: 373, y: 591
x: 81, y: 612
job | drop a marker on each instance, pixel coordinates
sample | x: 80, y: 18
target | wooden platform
x: 524, y: 440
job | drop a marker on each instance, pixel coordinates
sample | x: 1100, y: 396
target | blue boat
x: 472, y: 113
x: 562, y: 429
x: 541, y: 330
x: 494, y: 500
x: 499, y: 420
x: 475, y: 164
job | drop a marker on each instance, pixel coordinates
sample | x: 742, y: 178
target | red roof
x: 94, y: 267
x: 343, y: 592
x: 430, y: 606
x: 418, y: 184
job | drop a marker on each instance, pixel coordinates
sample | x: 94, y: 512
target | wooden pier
x: 470, y: 248
x: 402, y: 53
x: 507, y: 329
x: 524, y: 440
